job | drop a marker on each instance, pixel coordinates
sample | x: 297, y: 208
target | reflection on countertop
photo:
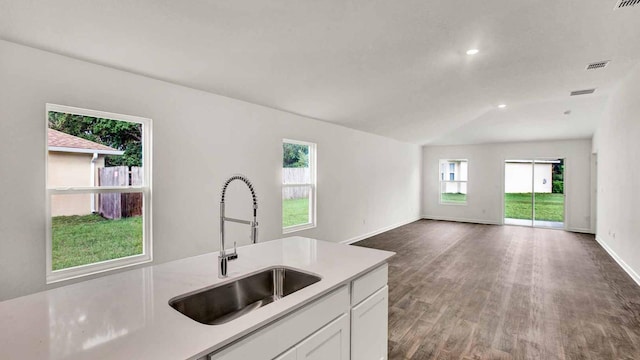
x: 102, y: 316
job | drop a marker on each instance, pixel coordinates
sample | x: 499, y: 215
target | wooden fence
x: 119, y: 205
x: 295, y: 176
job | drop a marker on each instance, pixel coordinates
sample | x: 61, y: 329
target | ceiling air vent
x: 599, y: 64
x: 583, y: 92
x: 626, y: 3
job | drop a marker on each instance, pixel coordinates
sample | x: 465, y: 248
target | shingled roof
x: 59, y: 141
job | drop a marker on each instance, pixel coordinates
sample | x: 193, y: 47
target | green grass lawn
x: 454, y: 198
x: 549, y: 207
x: 295, y: 212
x: 80, y: 240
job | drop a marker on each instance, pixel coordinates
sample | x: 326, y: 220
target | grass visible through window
x: 454, y: 198
x: 81, y: 240
x: 295, y: 212
x: 549, y: 207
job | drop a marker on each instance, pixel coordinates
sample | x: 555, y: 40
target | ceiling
x: 394, y: 68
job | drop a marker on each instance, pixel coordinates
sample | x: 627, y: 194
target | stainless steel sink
x: 223, y: 303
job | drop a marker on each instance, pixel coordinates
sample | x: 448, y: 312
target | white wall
x: 617, y: 143
x: 486, y: 177
x: 365, y: 182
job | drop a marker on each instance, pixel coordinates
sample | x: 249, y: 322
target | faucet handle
x: 233, y: 255
x: 254, y: 232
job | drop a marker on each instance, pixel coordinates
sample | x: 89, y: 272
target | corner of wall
x: 628, y: 269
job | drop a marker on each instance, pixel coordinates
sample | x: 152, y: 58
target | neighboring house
x: 74, y: 162
x: 518, y: 176
x: 453, y: 176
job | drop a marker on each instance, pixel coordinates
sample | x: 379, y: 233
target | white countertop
x: 127, y: 316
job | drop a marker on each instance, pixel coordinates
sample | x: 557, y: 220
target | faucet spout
x: 224, y: 257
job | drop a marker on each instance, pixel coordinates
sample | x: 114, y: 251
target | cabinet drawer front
x: 289, y: 355
x: 369, y: 332
x: 368, y: 283
x: 274, y: 339
x: 329, y: 343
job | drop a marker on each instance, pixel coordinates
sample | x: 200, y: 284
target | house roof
x: 59, y: 141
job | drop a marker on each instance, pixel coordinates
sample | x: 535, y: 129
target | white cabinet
x: 369, y: 331
x: 349, y: 323
x: 274, y: 340
x: 330, y: 342
x: 369, y: 283
x: 289, y: 355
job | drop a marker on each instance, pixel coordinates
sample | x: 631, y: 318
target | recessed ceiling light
x: 502, y: 106
x: 472, y: 51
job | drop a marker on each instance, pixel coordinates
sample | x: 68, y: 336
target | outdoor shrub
x: 557, y: 187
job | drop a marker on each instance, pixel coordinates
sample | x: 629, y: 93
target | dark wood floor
x: 467, y: 291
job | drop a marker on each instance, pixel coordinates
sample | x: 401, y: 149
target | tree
x: 295, y: 156
x: 557, y: 185
x: 120, y: 135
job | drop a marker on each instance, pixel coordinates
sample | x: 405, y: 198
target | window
x: 98, y: 176
x: 454, y: 190
x: 298, y: 185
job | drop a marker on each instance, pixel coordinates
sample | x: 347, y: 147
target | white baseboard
x: 581, y: 230
x: 379, y: 231
x: 620, y: 262
x: 446, y: 218
x: 489, y: 222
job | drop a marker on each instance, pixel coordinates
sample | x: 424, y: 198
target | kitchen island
x: 127, y: 315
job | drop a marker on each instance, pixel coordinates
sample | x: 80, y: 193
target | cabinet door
x: 369, y: 331
x: 274, y: 339
x: 330, y: 342
x: 288, y: 355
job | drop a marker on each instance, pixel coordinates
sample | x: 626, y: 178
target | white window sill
x: 96, y: 268
x: 292, y: 229
x: 453, y: 204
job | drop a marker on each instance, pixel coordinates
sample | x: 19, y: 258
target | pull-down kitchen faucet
x: 224, y: 258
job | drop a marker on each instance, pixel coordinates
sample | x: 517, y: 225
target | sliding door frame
x: 533, y: 203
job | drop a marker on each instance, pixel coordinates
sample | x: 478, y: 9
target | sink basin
x: 225, y: 302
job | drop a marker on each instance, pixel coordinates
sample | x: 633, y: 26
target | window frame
x: 147, y: 243
x: 441, y: 180
x: 313, y: 188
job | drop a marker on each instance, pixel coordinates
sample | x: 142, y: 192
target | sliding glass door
x: 548, y: 200
x: 534, y: 192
